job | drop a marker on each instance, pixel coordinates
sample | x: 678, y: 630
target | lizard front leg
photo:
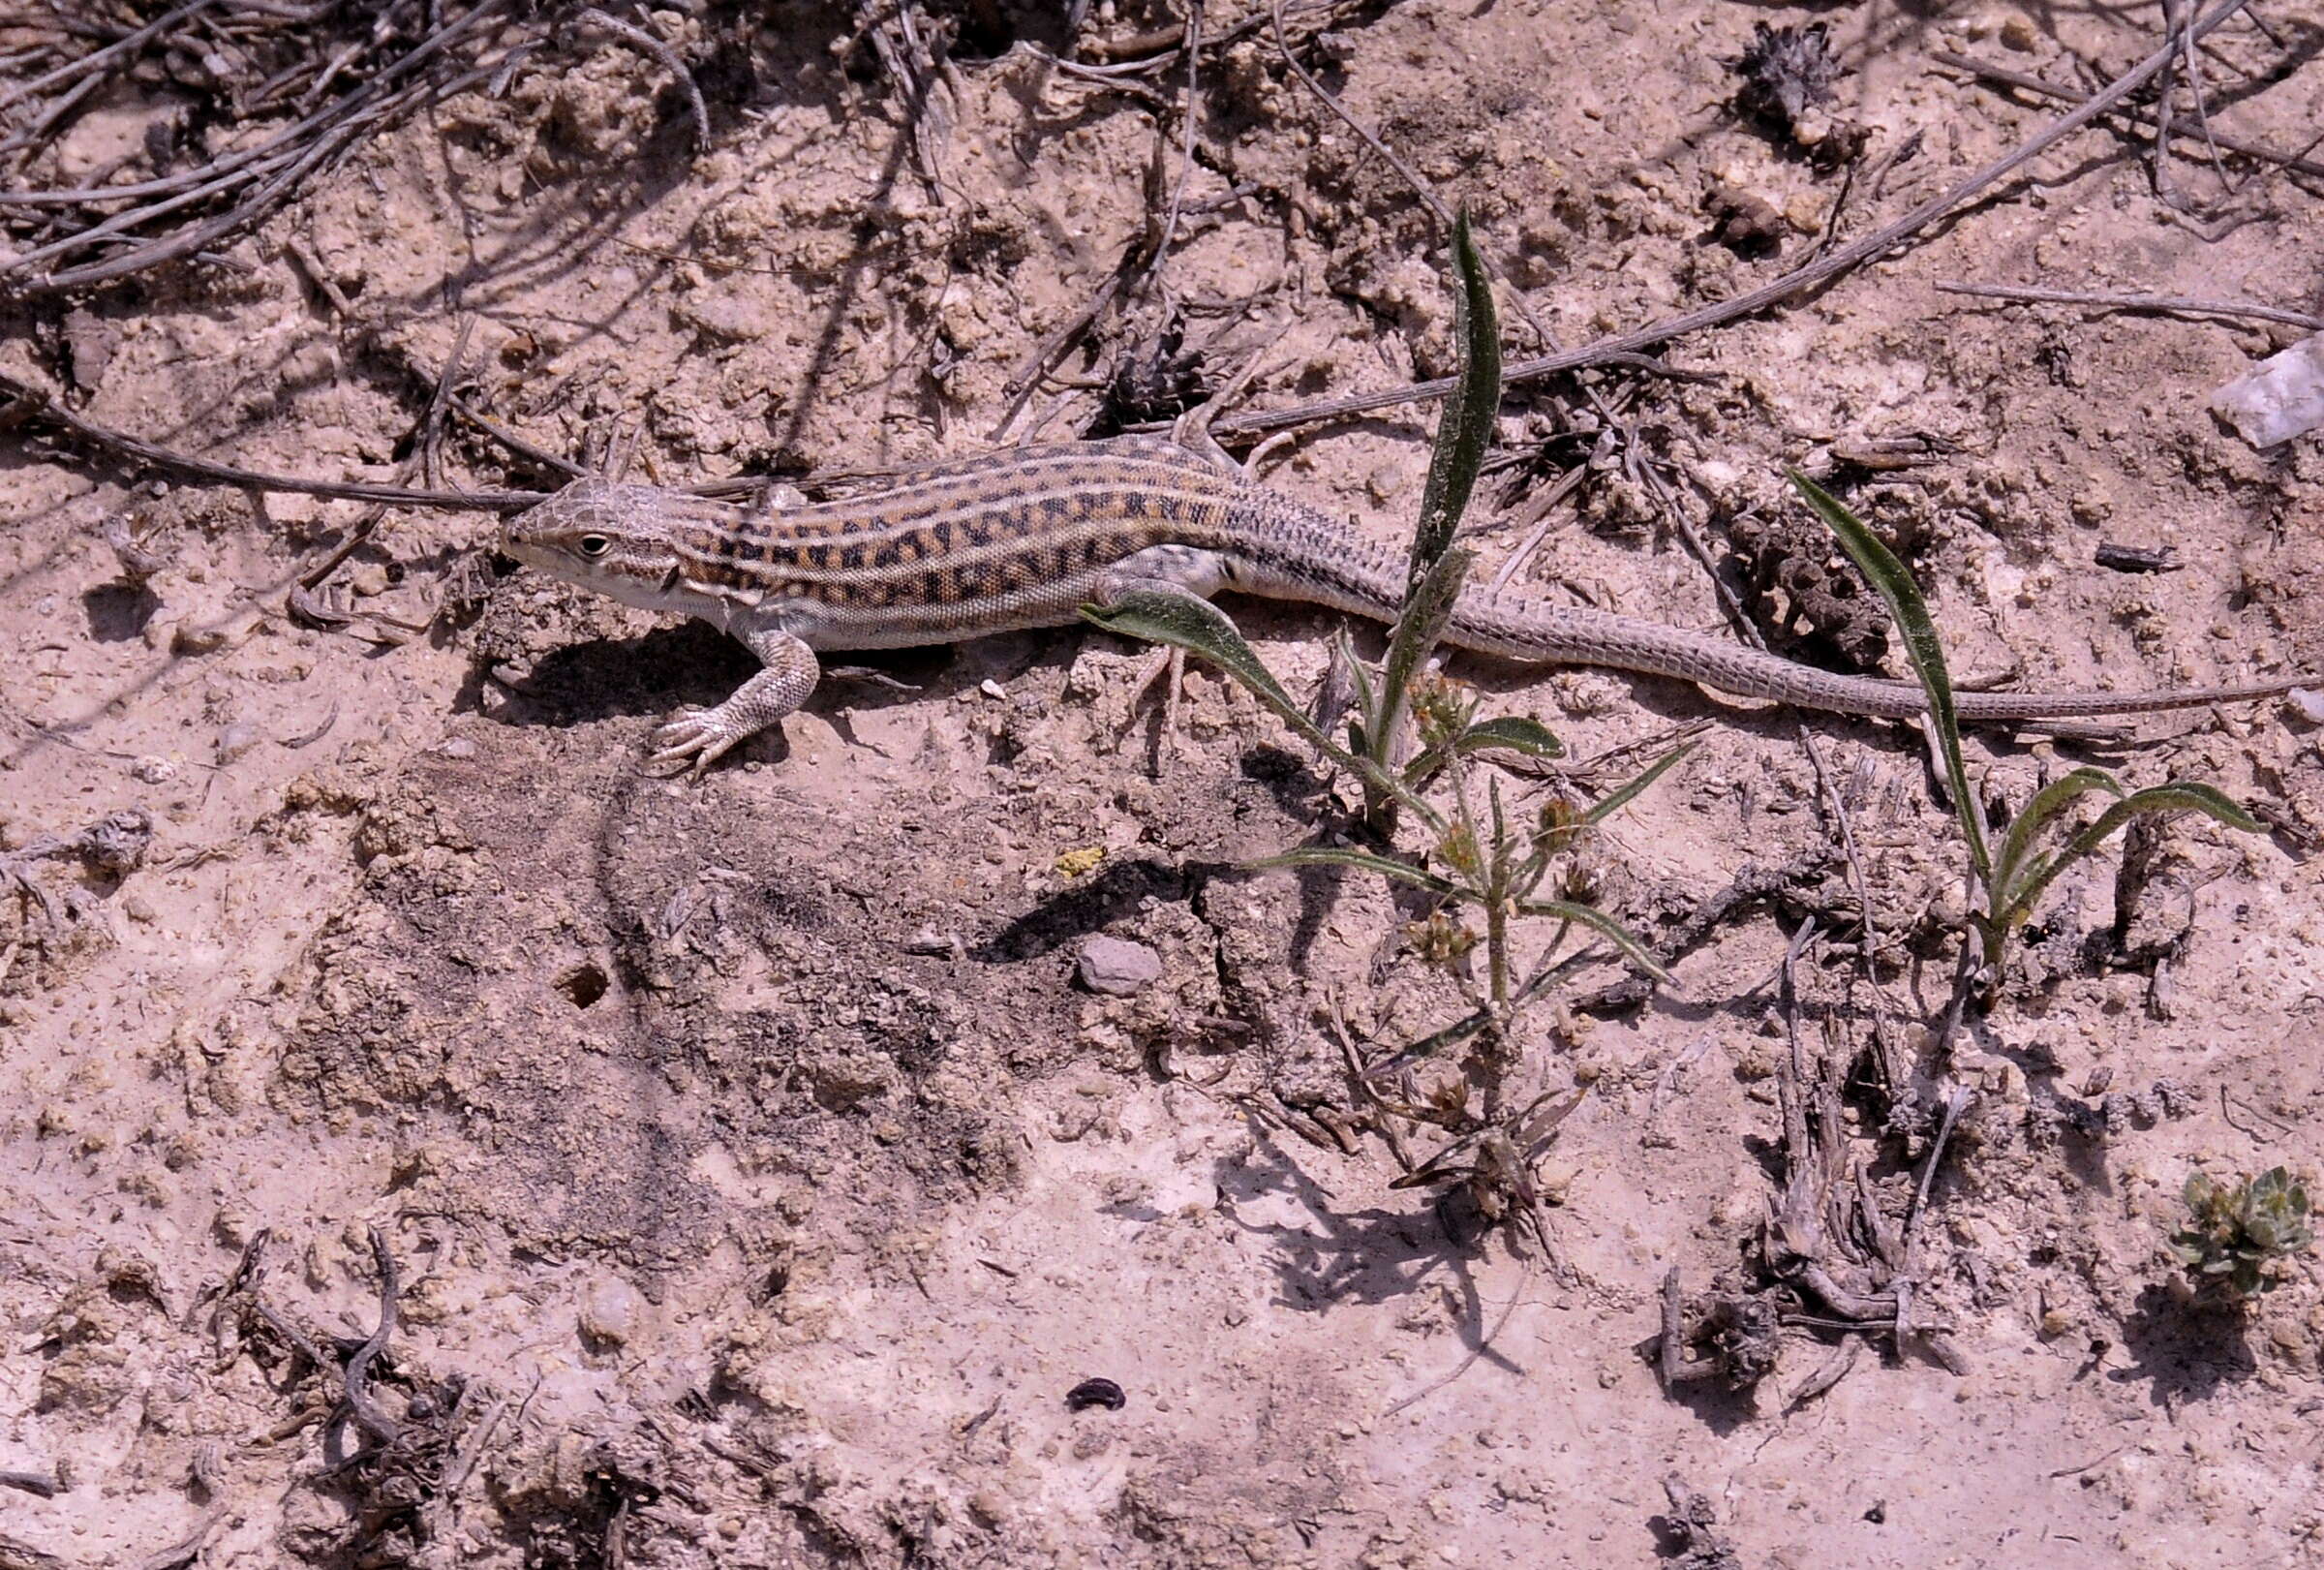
x: 698, y: 737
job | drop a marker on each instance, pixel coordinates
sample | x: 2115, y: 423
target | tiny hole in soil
x: 986, y: 31
x: 119, y: 611
x: 583, y: 985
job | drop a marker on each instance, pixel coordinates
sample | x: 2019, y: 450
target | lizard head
x: 622, y: 540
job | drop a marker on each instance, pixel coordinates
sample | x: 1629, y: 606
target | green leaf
x: 1464, y: 430
x: 2162, y: 800
x: 1426, y: 609
x: 1346, y: 686
x: 1330, y: 855
x: 1512, y: 734
x: 1607, y: 808
x: 1458, y: 1030
x: 1895, y: 586
x: 2047, y: 803
x: 1604, y: 926
x: 1186, y: 622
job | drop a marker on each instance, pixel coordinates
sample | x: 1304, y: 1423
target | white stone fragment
x: 1118, y: 968
x: 2280, y: 399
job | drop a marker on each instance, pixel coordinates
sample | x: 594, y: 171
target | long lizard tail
x: 1313, y: 558
x: 1548, y: 633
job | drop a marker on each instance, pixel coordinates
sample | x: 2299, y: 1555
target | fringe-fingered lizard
x: 1023, y: 538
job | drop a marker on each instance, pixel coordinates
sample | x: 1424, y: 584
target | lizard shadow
x: 1113, y: 893
x: 690, y: 663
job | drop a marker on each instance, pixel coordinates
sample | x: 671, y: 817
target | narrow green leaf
x: 1186, y: 622
x: 1607, y: 808
x: 1604, y: 926
x: 1367, y: 703
x: 1426, y: 610
x: 2047, y: 803
x: 2164, y: 800
x: 1182, y: 621
x: 1894, y: 584
x: 1458, y: 1030
x: 1345, y: 687
x: 1550, y: 973
x: 1512, y: 733
x: 1331, y: 855
x: 1465, y: 427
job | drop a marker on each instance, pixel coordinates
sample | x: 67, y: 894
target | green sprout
x: 2235, y: 1236
x: 2011, y: 885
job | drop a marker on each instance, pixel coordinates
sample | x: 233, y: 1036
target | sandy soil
x: 759, y: 1176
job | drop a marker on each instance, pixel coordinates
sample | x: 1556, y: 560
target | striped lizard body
x: 1024, y: 538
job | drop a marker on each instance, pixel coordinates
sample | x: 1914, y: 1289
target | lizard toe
x: 689, y: 744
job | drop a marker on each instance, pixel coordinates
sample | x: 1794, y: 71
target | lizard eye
x: 594, y: 546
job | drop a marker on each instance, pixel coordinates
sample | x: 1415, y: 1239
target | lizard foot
x: 693, y: 740
x: 1168, y: 666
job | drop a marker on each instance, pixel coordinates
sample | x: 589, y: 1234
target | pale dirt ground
x: 781, y: 1240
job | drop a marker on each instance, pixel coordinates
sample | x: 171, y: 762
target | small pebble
x: 929, y: 940
x: 1118, y: 967
x: 610, y: 1315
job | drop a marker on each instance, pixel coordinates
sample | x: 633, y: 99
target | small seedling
x: 2236, y: 1237
x: 2009, y: 884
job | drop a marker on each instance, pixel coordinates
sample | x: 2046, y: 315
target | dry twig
x: 2138, y: 114
x: 2177, y: 303
x: 1868, y: 248
x: 662, y: 53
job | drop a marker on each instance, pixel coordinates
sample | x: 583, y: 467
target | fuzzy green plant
x: 2040, y: 843
x: 2235, y: 1238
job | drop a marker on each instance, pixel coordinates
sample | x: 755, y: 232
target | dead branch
x: 2171, y: 304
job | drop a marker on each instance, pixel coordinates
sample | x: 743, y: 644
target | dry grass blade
x: 1777, y: 292
x: 374, y: 69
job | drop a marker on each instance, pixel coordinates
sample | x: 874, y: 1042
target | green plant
x: 1483, y: 861
x: 2235, y: 1235
x: 2008, y: 885
x: 1411, y: 733
x: 1436, y: 571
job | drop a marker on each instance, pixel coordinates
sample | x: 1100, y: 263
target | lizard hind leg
x: 698, y: 738
x: 1168, y: 667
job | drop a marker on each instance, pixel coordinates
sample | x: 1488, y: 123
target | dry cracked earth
x: 431, y: 1140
